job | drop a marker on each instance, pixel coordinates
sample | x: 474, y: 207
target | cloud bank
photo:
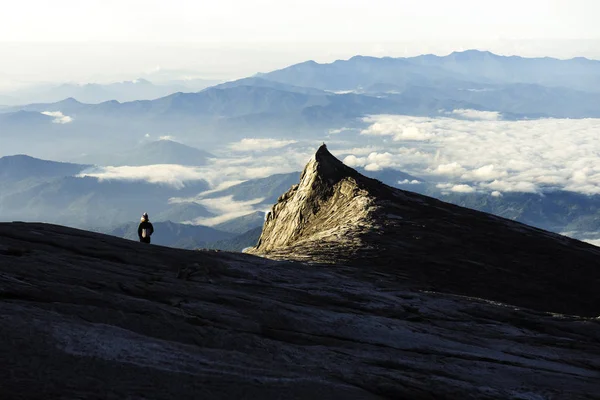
x: 168, y: 174
x: 487, y: 154
x: 59, y: 117
x: 477, y: 115
x: 226, y: 209
x: 250, y: 144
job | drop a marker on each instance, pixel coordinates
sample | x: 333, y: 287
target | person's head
x: 145, y: 217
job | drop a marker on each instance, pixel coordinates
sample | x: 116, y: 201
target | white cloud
x: 453, y: 168
x: 496, y: 193
x: 461, y: 188
x: 357, y: 151
x: 226, y: 208
x: 408, y: 182
x: 485, y: 173
x: 512, y: 186
x: 147, y: 135
x: 373, y: 167
x: 166, y: 137
x: 249, y: 144
x: 59, y: 117
x: 373, y: 162
x: 353, y: 161
x: 490, y: 154
x: 337, y: 131
x: 197, y: 198
x: 387, y: 125
x: 168, y: 174
x: 477, y: 115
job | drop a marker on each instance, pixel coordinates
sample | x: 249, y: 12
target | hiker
x: 145, y: 230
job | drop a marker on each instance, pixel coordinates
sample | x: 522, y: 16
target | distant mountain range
x: 471, y: 69
x: 308, y: 99
x: 137, y: 89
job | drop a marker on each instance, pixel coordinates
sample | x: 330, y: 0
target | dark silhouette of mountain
x: 174, y: 235
x: 243, y: 224
x: 107, y: 317
x: 337, y: 215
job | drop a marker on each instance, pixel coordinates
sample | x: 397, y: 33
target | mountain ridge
x: 338, y: 216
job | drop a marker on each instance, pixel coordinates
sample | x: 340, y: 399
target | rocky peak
x: 336, y: 215
x: 327, y: 205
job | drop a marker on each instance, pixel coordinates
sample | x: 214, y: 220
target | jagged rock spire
x: 324, y: 206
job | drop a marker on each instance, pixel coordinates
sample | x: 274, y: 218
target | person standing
x: 145, y: 229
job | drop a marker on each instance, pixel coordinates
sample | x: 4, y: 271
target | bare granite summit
x: 336, y: 215
x: 403, y: 297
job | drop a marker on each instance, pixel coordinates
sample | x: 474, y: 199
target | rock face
x: 84, y: 315
x: 336, y: 215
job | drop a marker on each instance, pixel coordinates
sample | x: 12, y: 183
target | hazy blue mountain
x: 515, y: 101
x: 359, y: 73
x: 154, y: 152
x: 183, y: 212
x: 243, y: 224
x: 291, y: 103
x: 484, y: 66
x: 226, y: 103
x: 21, y: 166
x: 174, y: 235
x: 137, y: 89
x: 22, y: 172
x: 89, y: 202
x: 237, y: 243
x: 260, y: 82
x: 456, y: 70
x: 557, y: 211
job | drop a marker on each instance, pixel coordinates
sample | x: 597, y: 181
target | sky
x: 108, y: 40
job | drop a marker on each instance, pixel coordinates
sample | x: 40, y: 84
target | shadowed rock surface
x: 336, y: 215
x: 84, y: 315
